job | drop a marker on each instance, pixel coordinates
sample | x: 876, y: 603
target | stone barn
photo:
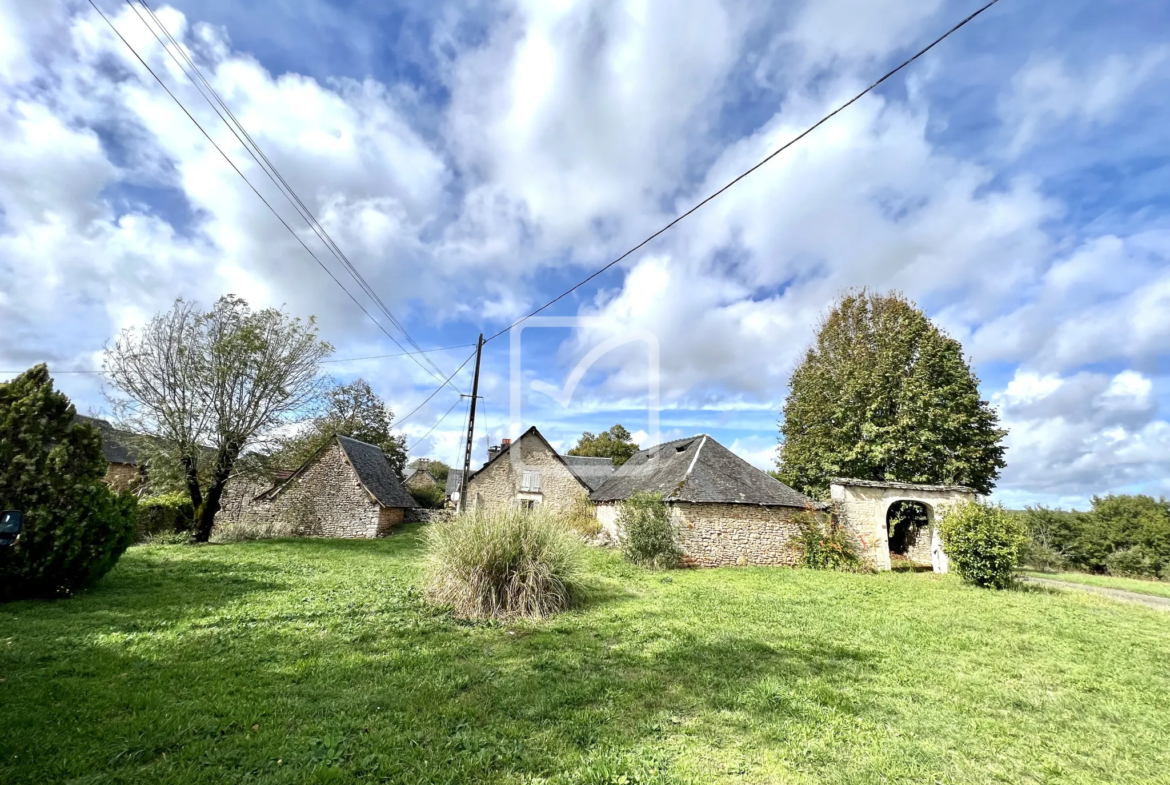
x: 725, y: 510
x: 346, y: 489
x: 895, y: 520
x: 528, y: 473
x: 420, y: 478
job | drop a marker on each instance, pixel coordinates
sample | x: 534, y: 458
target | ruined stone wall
x: 498, y: 485
x: 325, y: 500
x: 715, y: 535
x: 861, y: 510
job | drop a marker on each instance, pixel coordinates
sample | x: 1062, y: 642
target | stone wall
x: 861, y: 510
x: 423, y: 515
x: 718, y: 535
x: 498, y: 484
x: 420, y: 480
x: 325, y: 500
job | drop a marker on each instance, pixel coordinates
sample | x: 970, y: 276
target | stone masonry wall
x: 861, y: 511
x: 498, y: 485
x: 717, y: 535
x: 326, y: 500
x: 123, y: 477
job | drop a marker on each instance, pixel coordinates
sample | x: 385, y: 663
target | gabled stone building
x: 529, y: 472
x: 725, y: 510
x: 124, y: 470
x: 346, y: 489
x: 420, y: 478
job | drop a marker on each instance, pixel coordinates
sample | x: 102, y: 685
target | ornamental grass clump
x: 504, y: 564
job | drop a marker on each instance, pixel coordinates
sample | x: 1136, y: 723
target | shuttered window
x: 530, y: 481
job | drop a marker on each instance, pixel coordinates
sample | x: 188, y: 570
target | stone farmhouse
x: 124, y: 470
x: 725, y: 510
x: 529, y: 472
x: 346, y: 489
x: 420, y: 478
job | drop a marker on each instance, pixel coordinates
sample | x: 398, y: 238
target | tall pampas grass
x: 504, y: 564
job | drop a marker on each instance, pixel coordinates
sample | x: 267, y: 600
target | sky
x: 474, y: 160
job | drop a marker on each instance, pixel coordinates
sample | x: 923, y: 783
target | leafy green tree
x: 214, y: 385
x: 883, y: 394
x: 1139, y: 525
x: 438, y: 469
x: 352, y: 410
x: 616, y: 443
x: 75, y: 527
x: 645, y: 531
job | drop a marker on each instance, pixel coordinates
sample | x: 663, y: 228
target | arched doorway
x: 908, y: 533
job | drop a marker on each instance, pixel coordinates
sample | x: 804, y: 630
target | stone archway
x: 862, y: 507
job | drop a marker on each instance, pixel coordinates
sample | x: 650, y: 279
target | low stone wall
x: 718, y: 535
x: 420, y: 515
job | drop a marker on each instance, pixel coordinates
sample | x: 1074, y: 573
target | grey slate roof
x: 902, y: 486
x: 115, y: 444
x: 375, y: 473
x: 591, y: 471
x: 697, y: 469
x: 454, y: 478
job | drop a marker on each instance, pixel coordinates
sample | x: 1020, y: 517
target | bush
x: 1041, y: 556
x: 582, y: 517
x: 645, y: 532
x: 1135, y: 562
x: 166, y: 513
x: 430, y: 497
x: 1122, y: 523
x: 983, y: 542
x: 824, y: 545
x: 75, y: 527
x: 504, y: 564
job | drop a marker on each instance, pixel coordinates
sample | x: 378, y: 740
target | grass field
x: 1156, y: 588
x: 316, y: 661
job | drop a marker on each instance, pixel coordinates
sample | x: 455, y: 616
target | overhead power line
x: 249, y: 145
x: 772, y: 155
x: 436, y: 390
x: 422, y: 438
x: 240, y: 173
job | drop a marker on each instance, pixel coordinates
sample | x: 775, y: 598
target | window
x: 530, y: 481
x: 527, y: 504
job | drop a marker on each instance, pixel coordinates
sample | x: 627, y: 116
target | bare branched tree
x: 210, y: 385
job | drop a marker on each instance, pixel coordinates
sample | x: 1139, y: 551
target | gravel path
x: 1161, y: 603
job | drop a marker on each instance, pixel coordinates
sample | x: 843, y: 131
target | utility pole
x: 470, y: 425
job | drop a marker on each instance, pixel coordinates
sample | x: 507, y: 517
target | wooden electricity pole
x: 470, y: 425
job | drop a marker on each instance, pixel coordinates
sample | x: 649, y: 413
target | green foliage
x: 582, y: 517
x: 165, y: 513
x: 504, y: 563
x: 823, y: 543
x: 616, y: 443
x: 883, y: 394
x: 645, y: 532
x: 1052, y: 537
x: 983, y: 542
x: 75, y: 527
x: 352, y: 410
x: 1123, y: 523
x: 210, y: 385
x: 432, y: 497
x: 1136, y: 562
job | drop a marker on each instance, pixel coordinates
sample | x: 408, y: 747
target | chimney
x: 494, y: 451
x: 505, y: 442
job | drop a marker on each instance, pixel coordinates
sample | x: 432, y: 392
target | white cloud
x: 1046, y: 94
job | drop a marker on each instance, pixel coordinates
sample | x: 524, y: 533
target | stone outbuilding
x: 125, y: 471
x: 725, y: 510
x: 420, y: 478
x: 864, y: 509
x: 528, y: 473
x: 346, y: 489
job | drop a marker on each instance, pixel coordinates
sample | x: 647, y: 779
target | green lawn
x: 316, y: 661
x: 1156, y: 588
